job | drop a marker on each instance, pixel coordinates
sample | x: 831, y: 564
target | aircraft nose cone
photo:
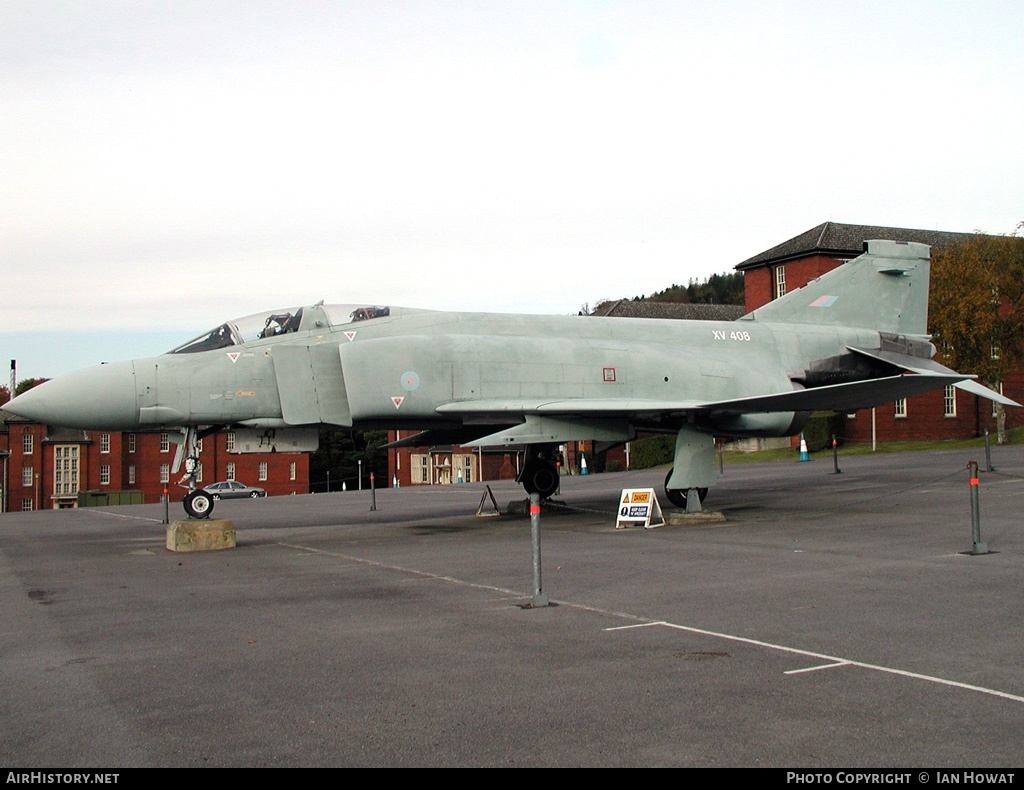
x: 101, y: 397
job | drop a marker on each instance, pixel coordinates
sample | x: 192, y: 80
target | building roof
x: 645, y: 308
x: 54, y: 433
x: 839, y: 240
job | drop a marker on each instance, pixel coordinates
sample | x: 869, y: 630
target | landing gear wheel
x: 198, y: 504
x: 677, y: 496
x: 540, y: 477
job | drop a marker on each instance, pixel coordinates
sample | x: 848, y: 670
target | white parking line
x: 833, y: 661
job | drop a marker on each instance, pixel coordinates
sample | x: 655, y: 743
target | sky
x: 166, y: 166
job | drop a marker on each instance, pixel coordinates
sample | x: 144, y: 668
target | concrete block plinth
x: 207, y: 535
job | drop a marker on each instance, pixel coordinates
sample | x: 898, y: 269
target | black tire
x: 198, y: 504
x: 540, y: 477
x: 677, y: 496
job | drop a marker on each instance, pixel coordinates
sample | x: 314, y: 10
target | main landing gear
x: 692, y: 471
x: 539, y: 474
x: 678, y: 496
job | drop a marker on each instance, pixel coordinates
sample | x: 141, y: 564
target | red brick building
x: 44, y: 466
x: 943, y: 414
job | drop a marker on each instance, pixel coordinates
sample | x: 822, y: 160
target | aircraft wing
x: 610, y: 419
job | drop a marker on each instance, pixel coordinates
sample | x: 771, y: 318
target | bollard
x: 835, y: 455
x: 166, y: 500
x: 539, y: 598
x: 979, y: 546
x: 988, y: 454
x: 373, y: 494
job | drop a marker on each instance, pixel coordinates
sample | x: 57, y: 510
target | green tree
x: 976, y: 308
x: 337, y: 460
x: 26, y: 384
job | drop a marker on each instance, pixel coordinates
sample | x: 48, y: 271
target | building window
x: 263, y: 470
x: 901, y: 408
x: 26, y: 475
x: 229, y: 441
x: 26, y: 443
x: 165, y: 473
x: 104, y: 475
x: 165, y: 443
x: 131, y: 442
x: 104, y: 442
x: 26, y: 504
x: 230, y: 472
x: 131, y: 475
x: 420, y: 471
x: 779, y: 281
x: 65, y: 470
x: 291, y: 471
x: 949, y: 401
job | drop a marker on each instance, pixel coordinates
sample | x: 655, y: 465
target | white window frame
x: 66, y: 469
x: 27, y: 476
x: 28, y: 444
x: 131, y: 474
x: 291, y: 471
x: 165, y: 443
x: 165, y: 473
x: 229, y: 441
x: 263, y: 470
x: 900, y: 409
x: 779, y: 276
x: 104, y: 442
x: 229, y: 473
x: 949, y: 401
x: 131, y: 442
x: 104, y: 474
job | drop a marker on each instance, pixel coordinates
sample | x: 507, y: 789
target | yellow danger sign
x: 639, y: 508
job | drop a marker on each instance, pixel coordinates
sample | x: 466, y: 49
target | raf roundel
x: 410, y: 380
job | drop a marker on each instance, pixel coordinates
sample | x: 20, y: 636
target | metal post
x: 988, y: 454
x: 835, y: 454
x: 360, y: 474
x: 373, y: 494
x: 166, y: 500
x: 539, y: 598
x: 979, y: 546
x: 721, y: 458
x: 328, y: 481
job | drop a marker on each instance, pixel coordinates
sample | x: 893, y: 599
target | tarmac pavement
x: 831, y: 621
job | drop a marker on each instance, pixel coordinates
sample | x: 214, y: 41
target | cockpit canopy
x: 261, y: 326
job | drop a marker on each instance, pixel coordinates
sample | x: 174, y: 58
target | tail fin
x: 885, y: 289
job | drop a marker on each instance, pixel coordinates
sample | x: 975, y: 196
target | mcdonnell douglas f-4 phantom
x: 854, y: 338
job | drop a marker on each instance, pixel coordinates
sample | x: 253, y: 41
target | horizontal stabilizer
x: 920, y: 365
x: 975, y: 388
